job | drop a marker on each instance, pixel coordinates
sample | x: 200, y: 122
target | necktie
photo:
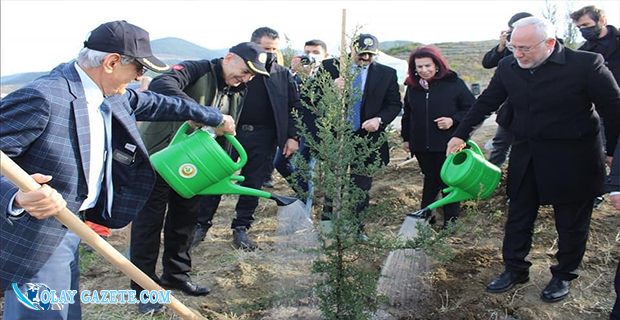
x: 106, y: 112
x: 355, y: 116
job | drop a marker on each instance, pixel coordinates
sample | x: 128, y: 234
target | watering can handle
x: 243, y: 156
x: 181, y: 134
x: 475, y: 147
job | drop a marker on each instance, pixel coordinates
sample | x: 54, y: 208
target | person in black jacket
x: 503, y: 139
x: 219, y: 83
x: 266, y: 122
x: 600, y: 38
x: 306, y: 68
x: 557, y: 156
x: 436, y: 100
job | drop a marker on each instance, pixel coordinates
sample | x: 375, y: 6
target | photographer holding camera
x: 503, y: 139
x: 304, y: 67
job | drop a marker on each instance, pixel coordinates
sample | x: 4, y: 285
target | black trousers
x: 180, y: 223
x: 430, y: 164
x: 362, y: 182
x: 260, y: 146
x: 501, y: 146
x: 572, y: 222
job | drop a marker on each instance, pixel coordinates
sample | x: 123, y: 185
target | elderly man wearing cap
x: 75, y: 130
x: 377, y: 107
x: 219, y: 83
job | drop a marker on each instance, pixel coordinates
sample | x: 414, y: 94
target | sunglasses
x: 140, y: 69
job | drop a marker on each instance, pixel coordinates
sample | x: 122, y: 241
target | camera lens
x: 306, y: 60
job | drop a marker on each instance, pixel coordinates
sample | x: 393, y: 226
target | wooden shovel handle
x: 26, y: 183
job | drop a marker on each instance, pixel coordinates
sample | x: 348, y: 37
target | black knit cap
x: 518, y: 16
x: 127, y: 39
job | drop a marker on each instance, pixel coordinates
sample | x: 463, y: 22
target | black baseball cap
x: 366, y: 43
x: 254, y: 56
x: 127, y: 39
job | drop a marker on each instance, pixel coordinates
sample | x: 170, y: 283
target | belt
x: 251, y: 127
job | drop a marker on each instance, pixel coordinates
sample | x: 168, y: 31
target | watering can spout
x: 227, y: 186
x: 454, y: 195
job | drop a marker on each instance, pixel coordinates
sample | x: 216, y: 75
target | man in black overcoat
x: 557, y: 158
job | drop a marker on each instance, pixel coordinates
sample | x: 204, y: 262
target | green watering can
x: 195, y: 164
x: 468, y: 176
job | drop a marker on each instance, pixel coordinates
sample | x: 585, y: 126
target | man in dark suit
x: 557, y: 157
x: 75, y: 130
x: 380, y: 104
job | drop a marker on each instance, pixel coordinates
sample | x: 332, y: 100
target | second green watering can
x: 195, y: 164
x: 468, y: 176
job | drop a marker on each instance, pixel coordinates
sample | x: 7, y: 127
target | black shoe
x: 186, y: 286
x: 598, y: 201
x: 556, y: 290
x: 506, y: 281
x: 199, y: 234
x: 242, y: 240
x: 151, y: 308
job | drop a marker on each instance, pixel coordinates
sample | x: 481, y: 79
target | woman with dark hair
x: 436, y: 99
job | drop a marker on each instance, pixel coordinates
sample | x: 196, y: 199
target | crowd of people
x: 75, y: 130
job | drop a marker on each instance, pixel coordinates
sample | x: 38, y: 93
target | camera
x: 306, y: 60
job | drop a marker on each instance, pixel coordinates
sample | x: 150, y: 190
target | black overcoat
x: 551, y: 113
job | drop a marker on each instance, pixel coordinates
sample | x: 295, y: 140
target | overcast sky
x: 38, y: 35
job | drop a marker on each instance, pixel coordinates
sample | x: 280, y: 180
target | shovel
x: 26, y: 183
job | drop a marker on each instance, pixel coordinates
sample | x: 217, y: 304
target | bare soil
x: 273, y: 283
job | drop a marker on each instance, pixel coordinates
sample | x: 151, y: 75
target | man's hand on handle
x: 455, y: 144
x: 42, y: 203
x: 227, y: 126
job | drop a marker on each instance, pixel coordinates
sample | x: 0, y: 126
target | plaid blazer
x: 44, y: 129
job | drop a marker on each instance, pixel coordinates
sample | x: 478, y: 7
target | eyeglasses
x: 523, y: 49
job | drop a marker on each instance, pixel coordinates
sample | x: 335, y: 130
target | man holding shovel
x: 75, y: 129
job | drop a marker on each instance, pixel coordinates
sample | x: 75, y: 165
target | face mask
x: 590, y: 33
x: 271, y: 58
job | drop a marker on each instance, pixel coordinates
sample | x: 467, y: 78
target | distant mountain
x: 387, y: 45
x: 173, y: 50
x: 170, y: 50
x: 20, y: 78
x: 464, y: 57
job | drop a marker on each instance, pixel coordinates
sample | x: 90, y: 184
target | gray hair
x: 89, y: 58
x: 543, y: 27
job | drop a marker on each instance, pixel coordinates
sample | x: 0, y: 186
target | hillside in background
x: 173, y: 50
x: 464, y: 58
